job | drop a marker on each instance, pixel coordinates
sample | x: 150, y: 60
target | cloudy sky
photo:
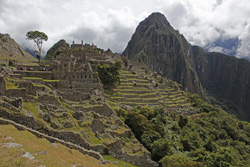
x: 111, y: 23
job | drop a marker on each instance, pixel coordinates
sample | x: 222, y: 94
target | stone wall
x: 38, y: 74
x: 96, y: 56
x: 29, y: 88
x: 2, y: 86
x: 46, y: 99
x: 16, y: 102
x: 4, y: 61
x: 20, y: 92
x: 74, y: 95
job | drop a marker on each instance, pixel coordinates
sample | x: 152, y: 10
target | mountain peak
x: 158, y: 19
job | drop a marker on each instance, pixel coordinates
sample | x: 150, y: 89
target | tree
x: 38, y: 37
x: 109, y: 74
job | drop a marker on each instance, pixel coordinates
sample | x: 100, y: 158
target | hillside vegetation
x: 211, y: 138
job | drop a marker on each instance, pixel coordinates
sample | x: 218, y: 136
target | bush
x: 109, y: 74
x: 179, y: 160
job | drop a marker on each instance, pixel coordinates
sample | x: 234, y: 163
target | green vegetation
x: 32, y: 78
x: 32, y: 107
x: 117, y: 161
x: 47, y: 80
x: 109, y: 74
x: 209, y: 138
x: 10, y: 85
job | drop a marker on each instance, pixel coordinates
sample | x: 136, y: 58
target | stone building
x: 77, y: 78
x: 83, y: 46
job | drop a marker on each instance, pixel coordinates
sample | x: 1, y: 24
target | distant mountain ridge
x: 167, y: 52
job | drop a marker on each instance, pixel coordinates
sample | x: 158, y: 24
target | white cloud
x: 203, y: 22
x: 110, y: 24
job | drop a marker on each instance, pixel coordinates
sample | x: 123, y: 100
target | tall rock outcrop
x: 158, y: 45
x: 226, y: 78
x: 60, y: 46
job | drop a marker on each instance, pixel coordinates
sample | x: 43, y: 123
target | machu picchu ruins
x: 103, y: 96
x: 66, y: 93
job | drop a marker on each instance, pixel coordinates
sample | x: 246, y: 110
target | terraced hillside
x: 141, y: 87
x: 90, y: 124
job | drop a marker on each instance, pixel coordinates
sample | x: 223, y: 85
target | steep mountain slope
x: 12, y: 53
x: 167, y: 52
x: 225, y: 78
x: 157, y: 44
x: 60, y: 46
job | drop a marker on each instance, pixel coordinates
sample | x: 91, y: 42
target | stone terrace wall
x: 38, y: 74
x: 96, y: 56
x: 4, y: 61
x: 2, y: 86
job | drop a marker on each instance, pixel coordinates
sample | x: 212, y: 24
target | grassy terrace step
x: 176, y: 95
x: 172, y: 90
x: 138, y: 100
x: 143, y: 91
x: 124, y: 87
x: 127, y: 91
x: 136, y: 84
x: 147, y: 95
x: 127, y: 84
x: 133, y: 79
x: 133, y: 90
x: 36, y: 78
x: 130, y: 75
x: 127, y: 95
x: 141, y: 103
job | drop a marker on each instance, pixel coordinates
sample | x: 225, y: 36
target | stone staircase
x: 140, y: 88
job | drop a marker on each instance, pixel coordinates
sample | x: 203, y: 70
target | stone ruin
x: 16, y: 102
x: 83, y: 46
x: 73, y: 73
x: 77, y: 78
x: 77, y: 71
x: 2, y: 86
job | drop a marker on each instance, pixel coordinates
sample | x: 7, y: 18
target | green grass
x: 32, y: 78
x: 117, y: 97
x: 47, y: 80
x: 32, y: 107
x: 118, y: 162
x: 56, y: 157
x: 10, y: 85
x: 46, y: 87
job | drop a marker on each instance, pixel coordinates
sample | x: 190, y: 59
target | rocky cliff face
x: 167, y: 52
x: 158, y: 45
x: 226, y: 78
